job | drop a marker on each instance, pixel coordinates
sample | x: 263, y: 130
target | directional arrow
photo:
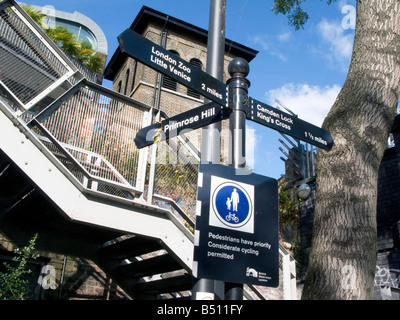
x: 193, y: 119
x: 160, y: 59
x: 289, y: 124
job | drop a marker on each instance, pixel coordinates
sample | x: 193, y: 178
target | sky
x: 303, y: 69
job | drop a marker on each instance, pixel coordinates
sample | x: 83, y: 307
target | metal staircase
x: 69, y: 171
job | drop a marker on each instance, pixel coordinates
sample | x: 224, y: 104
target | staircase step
x: 155, y: 265
x: 168, y: 285
x: 38, y: 213
x: 130, y: 248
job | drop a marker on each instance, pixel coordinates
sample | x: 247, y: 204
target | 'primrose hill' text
x: 185, y: 122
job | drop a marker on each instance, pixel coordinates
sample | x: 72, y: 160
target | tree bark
x: 343, y: 253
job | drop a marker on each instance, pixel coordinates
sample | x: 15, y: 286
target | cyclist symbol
x: 232, y: 216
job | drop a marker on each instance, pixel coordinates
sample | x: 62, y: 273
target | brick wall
x: 387, y: 276
x: 75, y: 278
x: 171, y: 102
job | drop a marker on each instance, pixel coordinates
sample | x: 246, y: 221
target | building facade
x: 83, y: 28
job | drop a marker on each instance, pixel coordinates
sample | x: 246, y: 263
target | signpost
x: 238, y: 87
x: 211, y: 134
x: 236, y: 235
x: 160, y: 59
x: 171, y: 65
x: 286, y: 123
x: 193, y: 119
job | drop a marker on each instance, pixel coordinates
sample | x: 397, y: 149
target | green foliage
x: 88, y: 57
x: 292, y: 9
x: 288, y: 215
x: 65, y: 39
x: 82, y: 51
x: 298, y: 254
x: 288, y: 205
x: 13, y: 282
x: 36, y: 15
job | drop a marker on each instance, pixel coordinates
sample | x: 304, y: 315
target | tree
x: 89, y: 57
x: 13, y: 282
x: 64, y: 39
x: 343, y: 253
x: 36, y: 15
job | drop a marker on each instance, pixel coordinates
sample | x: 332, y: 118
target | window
x: 81, y: 33
x: 133, y: 77
x: 126, y: 81
x: 196, y: 64
x: 168, y: 82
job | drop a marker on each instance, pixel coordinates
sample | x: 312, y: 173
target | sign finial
x: 238, y: 67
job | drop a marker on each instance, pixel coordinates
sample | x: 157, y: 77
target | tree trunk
x: 343, y: 253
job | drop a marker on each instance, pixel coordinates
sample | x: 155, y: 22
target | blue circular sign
x: 232, y: 204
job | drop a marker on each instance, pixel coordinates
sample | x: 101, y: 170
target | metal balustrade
x: 96, y: 127
x: 91, y: 130
x: 41, y: 68
x: 176, y: 171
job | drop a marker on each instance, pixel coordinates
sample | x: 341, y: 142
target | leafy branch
x: 292, y: 9
x: 14, y: 284
x: 288, y: 204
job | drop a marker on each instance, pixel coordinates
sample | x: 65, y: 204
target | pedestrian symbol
x: 235, y: 199
x: 232, y: 205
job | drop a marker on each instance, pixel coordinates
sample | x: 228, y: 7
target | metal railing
x: 91, y: 130
x: 41, y: 67
x: 96, y: 127
x: 176, y: 171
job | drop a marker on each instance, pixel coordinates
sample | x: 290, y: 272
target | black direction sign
x: 291, y: 125
x: 160, y: 59
x: 193, y: 119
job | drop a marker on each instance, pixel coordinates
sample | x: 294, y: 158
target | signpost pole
x: 238, y: 98
x: 211, y: 148
x: 211, y: 135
